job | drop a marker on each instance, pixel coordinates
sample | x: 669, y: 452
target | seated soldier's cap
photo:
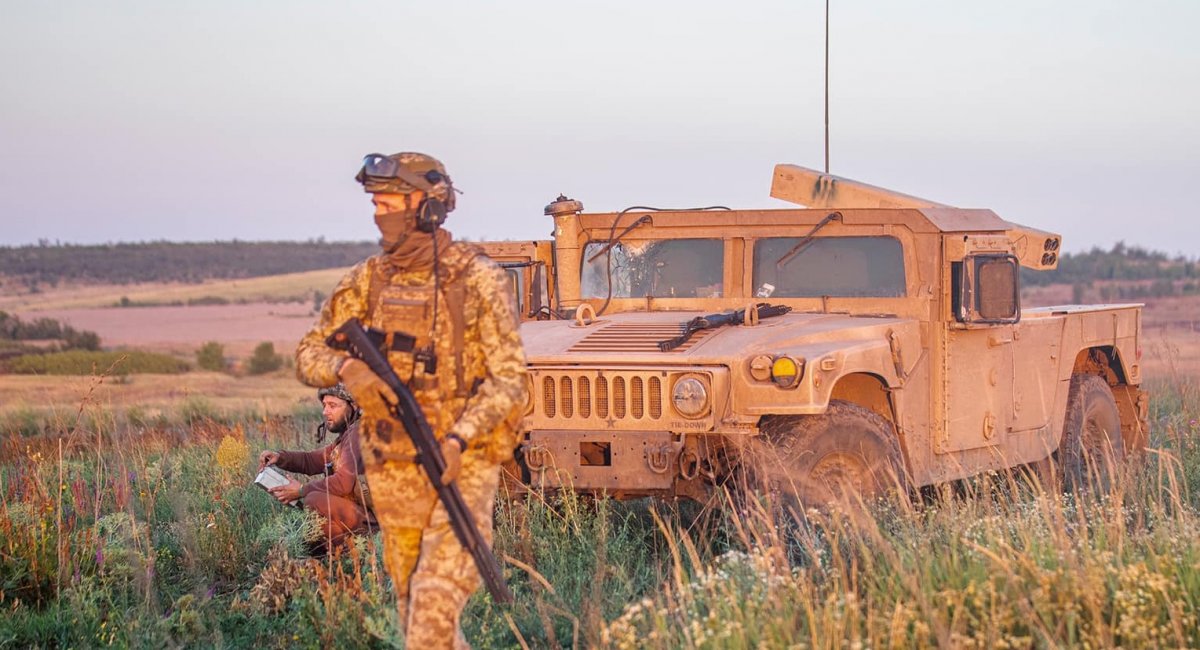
x: 404, y: 173
x: 338, y: 390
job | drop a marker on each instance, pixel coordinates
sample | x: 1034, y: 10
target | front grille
x: 585, y: 397
x: 636, y: 397
x: 548, y: 402
x: 655, y: 400
x: 602, y: 397
x: 627, y: 396
x: 568, y: 404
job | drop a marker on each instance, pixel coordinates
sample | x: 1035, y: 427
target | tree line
x: 46, y: 265
x: 1123, y: 264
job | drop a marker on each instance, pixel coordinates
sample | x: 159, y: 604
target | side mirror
x: 987, y: 289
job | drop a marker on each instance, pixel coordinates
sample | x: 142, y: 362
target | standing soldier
x: 451, y: 325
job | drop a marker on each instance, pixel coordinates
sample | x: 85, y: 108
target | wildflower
x: 232, y: 454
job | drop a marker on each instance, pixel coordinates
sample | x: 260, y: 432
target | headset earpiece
x: 431, y: 213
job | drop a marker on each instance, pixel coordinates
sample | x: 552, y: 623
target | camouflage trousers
x: 432, y: 573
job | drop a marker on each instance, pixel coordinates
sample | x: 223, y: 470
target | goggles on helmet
x: 378, y: 167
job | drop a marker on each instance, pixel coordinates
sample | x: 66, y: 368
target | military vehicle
x: 870, y: 340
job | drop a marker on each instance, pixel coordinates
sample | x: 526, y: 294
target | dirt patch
x: 172, y: 328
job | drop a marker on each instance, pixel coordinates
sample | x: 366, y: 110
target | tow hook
x: 658, y: 458
x: 536, y: 457
x: 689, y: 464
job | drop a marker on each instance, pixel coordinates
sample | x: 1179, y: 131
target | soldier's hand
x: 286, y: 494
x: 267, y: 458
x: 452, y: 453
x: 368, y: 390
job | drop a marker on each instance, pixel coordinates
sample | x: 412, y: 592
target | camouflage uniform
x: 477, y: 393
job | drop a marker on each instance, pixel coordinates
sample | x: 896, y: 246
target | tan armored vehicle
x: 872, y: 337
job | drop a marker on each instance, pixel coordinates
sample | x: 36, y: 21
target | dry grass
x: 276, y: 393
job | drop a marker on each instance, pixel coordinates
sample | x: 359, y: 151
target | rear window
x: 842, y: 267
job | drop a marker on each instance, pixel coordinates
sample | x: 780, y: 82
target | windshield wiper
x: 613, y: 241
x: 713, y: 321
x: 805, y: 241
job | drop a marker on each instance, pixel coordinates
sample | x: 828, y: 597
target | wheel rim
x: 842, y: 474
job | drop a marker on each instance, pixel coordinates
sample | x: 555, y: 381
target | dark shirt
x: 347, y: 467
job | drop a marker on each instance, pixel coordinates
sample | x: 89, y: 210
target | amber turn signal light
x: 786, y: 371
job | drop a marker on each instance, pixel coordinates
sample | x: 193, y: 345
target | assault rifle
x: 365, y: 344
x: 719, y: 320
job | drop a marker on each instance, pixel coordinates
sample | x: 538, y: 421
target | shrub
x: 211, y: 356
x: 13, y: 328
x: 197, y: 409
x: 265, y: 359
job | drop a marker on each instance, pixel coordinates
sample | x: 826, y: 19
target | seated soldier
x: 341, y: 497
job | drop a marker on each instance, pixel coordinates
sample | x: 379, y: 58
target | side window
x: 517, y: 285
x: 988, y: 289
x: 843, y: 267
x: 530, y: 287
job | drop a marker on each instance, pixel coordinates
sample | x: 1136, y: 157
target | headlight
x: 786, y: 371
x: 690, y: 397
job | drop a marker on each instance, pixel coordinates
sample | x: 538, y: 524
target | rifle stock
x: 354, y: 338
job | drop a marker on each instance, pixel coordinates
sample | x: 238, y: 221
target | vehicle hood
x: 632, y: 338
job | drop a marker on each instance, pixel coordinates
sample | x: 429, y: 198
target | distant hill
x: 47, y: 265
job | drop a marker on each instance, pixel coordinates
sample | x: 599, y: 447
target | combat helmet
x: 406, y: 172
x: 339, y: 391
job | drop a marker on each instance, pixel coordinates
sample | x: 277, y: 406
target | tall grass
x: 145, y: 532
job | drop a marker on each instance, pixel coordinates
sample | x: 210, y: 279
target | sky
x: 136, y: 120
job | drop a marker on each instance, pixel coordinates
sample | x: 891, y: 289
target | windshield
x: 669, y: 268
x: 843, y: 267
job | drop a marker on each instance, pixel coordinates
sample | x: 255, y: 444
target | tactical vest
x: 406, y: 303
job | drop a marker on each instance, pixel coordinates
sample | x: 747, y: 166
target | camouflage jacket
x: 482, y: 401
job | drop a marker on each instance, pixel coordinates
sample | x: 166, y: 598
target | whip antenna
x: 826, y: 86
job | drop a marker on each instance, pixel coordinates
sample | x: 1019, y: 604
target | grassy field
x: 128, y: 520
x: 131, y: 531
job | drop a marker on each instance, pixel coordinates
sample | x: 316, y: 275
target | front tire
x: 848, y: 452
x: 1092, y: 449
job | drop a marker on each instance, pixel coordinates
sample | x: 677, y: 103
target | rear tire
x: 1092, y: 449
x: 848, y: 452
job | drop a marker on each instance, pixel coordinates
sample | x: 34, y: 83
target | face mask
x: 394, y: 228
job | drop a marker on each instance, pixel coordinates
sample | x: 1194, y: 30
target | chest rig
x: 425, y: 326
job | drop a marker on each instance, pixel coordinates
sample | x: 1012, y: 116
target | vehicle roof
x: 939, y: 219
